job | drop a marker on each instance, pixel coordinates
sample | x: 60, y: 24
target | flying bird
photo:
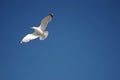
x: 39, y: 32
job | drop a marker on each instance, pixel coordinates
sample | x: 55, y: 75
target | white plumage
x: 39, y: 32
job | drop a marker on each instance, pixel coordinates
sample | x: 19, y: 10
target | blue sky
x: 83, y: 41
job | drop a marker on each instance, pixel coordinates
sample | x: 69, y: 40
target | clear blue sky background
x: 83, y: 41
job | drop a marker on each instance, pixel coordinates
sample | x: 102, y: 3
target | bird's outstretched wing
x: 29, y: 37
x: 45, y: 21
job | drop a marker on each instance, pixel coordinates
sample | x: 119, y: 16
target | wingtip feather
x: 51, y: 14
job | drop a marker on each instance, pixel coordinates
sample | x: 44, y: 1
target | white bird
x: 39, y: 32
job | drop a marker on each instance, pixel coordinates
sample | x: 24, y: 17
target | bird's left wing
x: 29, y: 37
x: 45, y: 21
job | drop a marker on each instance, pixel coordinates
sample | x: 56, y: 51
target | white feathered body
x: 39, y: 32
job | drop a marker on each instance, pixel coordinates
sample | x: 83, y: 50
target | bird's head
x: 34, y: 27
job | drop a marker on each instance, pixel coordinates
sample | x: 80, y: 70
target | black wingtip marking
x: 51, y: 15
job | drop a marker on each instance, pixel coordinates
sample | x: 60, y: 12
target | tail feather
x: 44, y: 35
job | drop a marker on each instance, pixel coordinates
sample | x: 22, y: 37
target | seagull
x: 39, y: 32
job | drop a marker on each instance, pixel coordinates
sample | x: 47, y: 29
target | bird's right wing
x: 45, y: 21
x: 29, y: 37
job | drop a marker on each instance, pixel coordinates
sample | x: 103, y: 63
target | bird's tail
x: 44, y: 36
